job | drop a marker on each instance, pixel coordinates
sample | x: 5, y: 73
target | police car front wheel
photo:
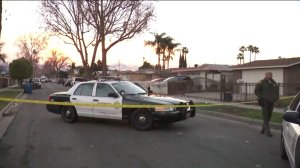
x: 141, y: 119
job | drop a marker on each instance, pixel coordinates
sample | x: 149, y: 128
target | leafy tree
x: 81, y: 71
x: 63, y: 74
x: 20, y: 69
x: 196, y: 65
x: 30, y: 47
x: 73, y: 66
x: 98, y: 66
x: 146, y: 65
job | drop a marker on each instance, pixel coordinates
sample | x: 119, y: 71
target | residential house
x: 286, y: 71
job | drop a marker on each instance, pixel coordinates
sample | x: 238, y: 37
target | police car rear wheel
x: 69, y: 115
x: 141, y: 119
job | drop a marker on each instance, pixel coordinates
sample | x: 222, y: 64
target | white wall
x: 255, y: 75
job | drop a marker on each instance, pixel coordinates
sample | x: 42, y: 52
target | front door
x: 102, y: 97
x: 83, y: 94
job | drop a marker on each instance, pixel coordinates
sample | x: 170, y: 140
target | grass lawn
x: 250, y: 113
x: 283, y: 103
x: 11, y: 93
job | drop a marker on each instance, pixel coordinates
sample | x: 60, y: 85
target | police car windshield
x: 128, y: 87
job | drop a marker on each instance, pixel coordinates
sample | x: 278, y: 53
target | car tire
x: 69, y: 115
x: 283, y: 153
x: 141, y: 119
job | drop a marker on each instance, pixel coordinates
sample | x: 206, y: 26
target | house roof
x: 272, y: 63
x: 204, y: 67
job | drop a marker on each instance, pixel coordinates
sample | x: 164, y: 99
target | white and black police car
x: 290, y: 134
x: 118, y: 92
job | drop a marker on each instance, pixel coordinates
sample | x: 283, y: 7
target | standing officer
x: 267, y: 91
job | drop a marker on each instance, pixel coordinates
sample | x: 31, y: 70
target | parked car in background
x: 68, y: 82
x: 75, y: 80
x: 54, y: 80
x: 35, y: 81
x: 178, y: 84
x: 157, y: 80
x: 61, y: 81
x: 290, y: 133
x: 178, y: 79
x: 44, y: 79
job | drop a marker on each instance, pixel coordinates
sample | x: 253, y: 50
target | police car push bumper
x: 174, y: 114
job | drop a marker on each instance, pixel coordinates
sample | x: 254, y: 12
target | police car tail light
x: 49, y: 98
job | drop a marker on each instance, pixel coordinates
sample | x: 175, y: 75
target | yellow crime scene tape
x: 118, y: 105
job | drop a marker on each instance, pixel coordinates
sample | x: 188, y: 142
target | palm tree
x: 240, y: 57
x: 256, y: 51
x: 243, y: 49
x: 250, y: 49
x: 163, y: 46
x: 156, y: 44
x: 170, y: 49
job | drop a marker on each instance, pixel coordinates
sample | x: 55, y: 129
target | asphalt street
x: 39, y: 139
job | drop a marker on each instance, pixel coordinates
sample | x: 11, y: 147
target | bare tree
x: 66, y: 20
x: 117, y: 21
x: 30, y: 46
x: 57, y: 60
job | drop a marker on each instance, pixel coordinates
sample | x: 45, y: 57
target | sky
x: 213, y: 31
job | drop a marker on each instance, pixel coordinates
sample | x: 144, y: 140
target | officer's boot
x: 262, y: 130
x: 268, y: 131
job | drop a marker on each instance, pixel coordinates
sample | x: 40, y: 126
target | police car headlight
x: 163, y: 109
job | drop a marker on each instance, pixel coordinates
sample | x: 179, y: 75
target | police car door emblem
x: 116, y: 103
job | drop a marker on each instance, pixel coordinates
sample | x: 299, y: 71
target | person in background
x: 267, y: 91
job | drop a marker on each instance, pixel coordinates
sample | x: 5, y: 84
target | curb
x: 9, y: 106
x: 5, y: 119
x: 246, y: 120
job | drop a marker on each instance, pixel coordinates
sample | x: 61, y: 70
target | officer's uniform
x: 268, y: 92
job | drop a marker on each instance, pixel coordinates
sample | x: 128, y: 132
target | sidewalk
x: 9, y: 87
x: 203, y: 100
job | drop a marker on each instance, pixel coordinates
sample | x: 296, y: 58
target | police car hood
x: 154, y: 99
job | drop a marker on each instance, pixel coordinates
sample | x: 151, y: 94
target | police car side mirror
x: 114, y: 95
x: 292, y: 117
x: 149, y: 90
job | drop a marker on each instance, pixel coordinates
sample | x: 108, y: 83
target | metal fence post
x: 246, y: 89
